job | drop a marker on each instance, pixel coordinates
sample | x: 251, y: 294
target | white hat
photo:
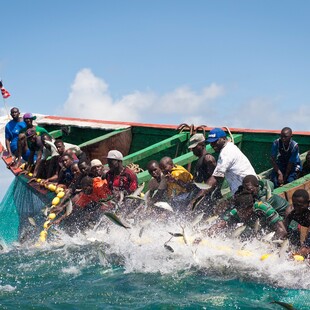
x: 196, y: 139
x: 95, y: 163
x: 114, y: 154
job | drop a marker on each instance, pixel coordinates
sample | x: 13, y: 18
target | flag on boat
x: 5, y: 94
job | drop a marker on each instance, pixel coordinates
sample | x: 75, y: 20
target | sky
x: 235, y: 63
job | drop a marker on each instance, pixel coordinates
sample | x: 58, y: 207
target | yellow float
x: 52, y: 187
x: 55, y: 201
x: 51, y: 216
x: 60, y: 195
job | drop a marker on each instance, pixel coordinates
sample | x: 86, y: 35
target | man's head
x: 15, y: 114
x: 115, y: 159
x: 67, y: 160
x: 217, y: 139
x: 166, y: 165
x: 84, y: 167
x: 153, y: 169
x: 31, y: 134
x: 286, y: 135
x: 244, y: 202
x: 28, y: 119
x: 46, y: 137
x: 96, y: 167
x: 75, y: 169
x: 197, y: 144
x: 87, y: 185
x: 250, y: 184
x: 60, y: 146
x: 300, y: 200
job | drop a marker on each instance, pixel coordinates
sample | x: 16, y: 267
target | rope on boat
x: 230, y: 134
x: 135, y: 168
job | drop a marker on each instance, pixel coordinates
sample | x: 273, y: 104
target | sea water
x: 117, y: 268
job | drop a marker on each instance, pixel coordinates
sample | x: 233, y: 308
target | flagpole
x: 6, y: 108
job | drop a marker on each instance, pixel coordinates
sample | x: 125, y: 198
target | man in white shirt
x: 232, y: 164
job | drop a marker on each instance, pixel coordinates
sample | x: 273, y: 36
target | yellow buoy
x: 42, y: 238
x: 58, y: 190
x: 52, y: 187
x: 51, y: 216
x: 142, y: 195
x: 264, y: 256
x: 46, y: 225
x: 61, y: 194
x: 39, y: 180
x: 43, y: 233
x: 30, y: 174
x: 298, y: 257
x: 55, y: 201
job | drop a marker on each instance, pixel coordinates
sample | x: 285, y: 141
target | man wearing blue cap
x: 232, y: 164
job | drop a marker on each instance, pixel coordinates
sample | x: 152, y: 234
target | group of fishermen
x: 94, y: 188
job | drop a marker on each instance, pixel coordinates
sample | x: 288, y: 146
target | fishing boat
x: 139, y: 143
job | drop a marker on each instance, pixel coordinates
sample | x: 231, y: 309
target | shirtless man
x: 300, y: 213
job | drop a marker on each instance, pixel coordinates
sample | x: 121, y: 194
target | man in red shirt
x: 120, y: 178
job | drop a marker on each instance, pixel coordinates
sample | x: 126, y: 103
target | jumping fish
x: 163, y: 205
x: 102, y: 258
x: 69, y: 208
x: 202, y: 185
x: 257, y: 226
x: 169, y: 248
x: 268, y: 237
x: 197, y: 202
x: 184, y: 236
x: 197, y: 219
x: 238, y: 231
x: 212, y: 219
x: 141, y: 232
x: 139, y: 190
x: 32, y: 221
x: 175, y: 234
x: 45, y: 211
x: 284, y: 248
x: 269, y: 191
x: 115, y: 219
x: 284, y: 304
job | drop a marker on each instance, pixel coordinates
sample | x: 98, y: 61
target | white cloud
x: 90, y: 98
x: 211, y: 106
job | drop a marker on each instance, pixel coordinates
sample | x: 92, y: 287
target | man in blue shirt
x: 285, y: 159
x: 12, y: 129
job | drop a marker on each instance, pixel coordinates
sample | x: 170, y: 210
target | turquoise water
x: 117, y: 269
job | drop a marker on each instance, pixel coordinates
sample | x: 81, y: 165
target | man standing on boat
x: 285, y: 159
x: 12, y: 129
x: 232, y: 165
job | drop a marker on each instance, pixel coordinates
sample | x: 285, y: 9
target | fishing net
x: 19, y: 203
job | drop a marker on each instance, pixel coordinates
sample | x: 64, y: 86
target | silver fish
x: 139, y: 190
x: 197, y: 219
x: 268, y: 237
x: 184, y: 236
x: 69, y: 208
x: 212, y: 219
x: 284, y: 248
x: 163, y: 205
x: 115, y: 219
x: 141, y: 232
x: 238, y: 231
x: 32, y: 221
x: 169, y: 248
x: 202, y: 185
x: 175, y: 234
x: 285, y: 305
x: 269, y: 191
x: 45, y: 211
x: 102, y: 258
x: 257, y: 226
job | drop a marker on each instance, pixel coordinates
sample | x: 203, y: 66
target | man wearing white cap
x: 96, y: 168
x: 120, y: 178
